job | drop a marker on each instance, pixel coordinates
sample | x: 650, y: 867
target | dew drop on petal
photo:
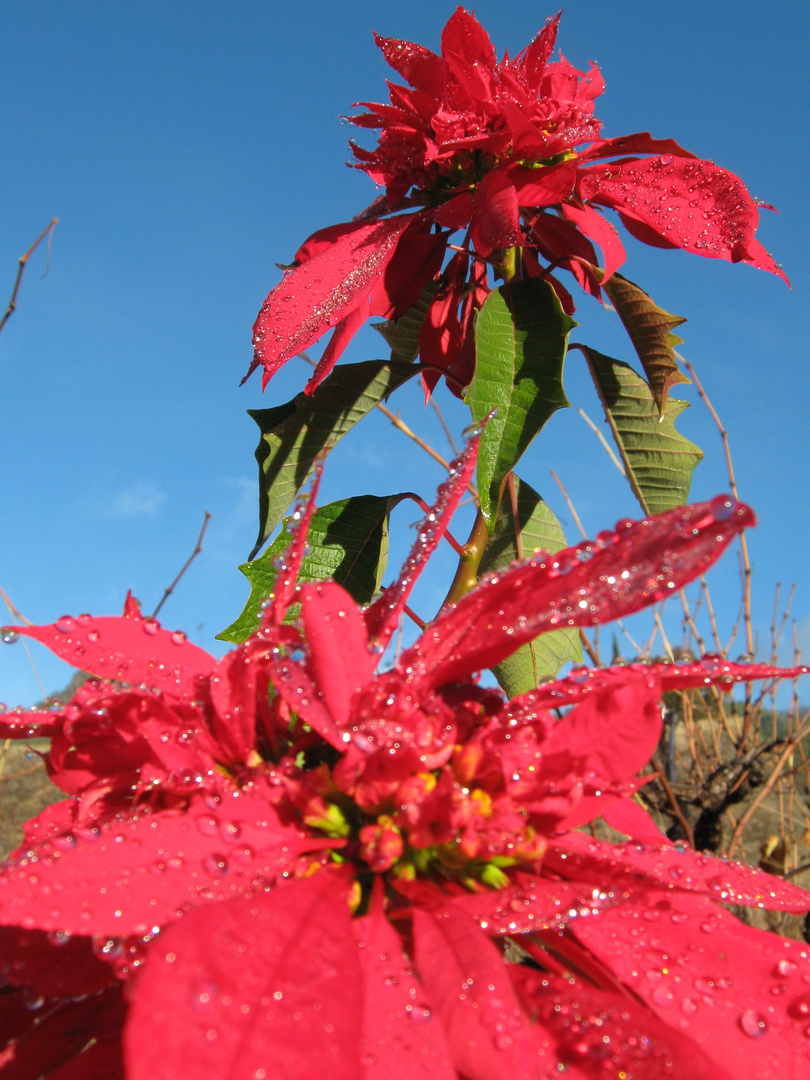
x: 753, y: 1024
x: 208, y: 826
x: 215, y: 865
x: 32, y: 999
x: 799, y: 1008
x: 419, y: 1014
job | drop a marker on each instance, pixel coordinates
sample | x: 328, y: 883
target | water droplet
x: 229, y: 831
x: 66, y: 625
x: 753, y: 1024
x: 215, y: 865
x: 32, y: 999
x: 722, y: 507
x: 419, y: 1014
x: 151, y: 626
x: 799, y: 1008
x: 107, y: 948
x: 59, y: 937
x: 662, y: 997
x: 203, y: 995
x: 207, y: 826
x: 178, y: 637
x: 10, y: 636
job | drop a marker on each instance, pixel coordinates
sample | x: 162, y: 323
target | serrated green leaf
x: 293, y: 434
x: 539, y: 528
x: 402, y: 334
x: 521, y: 337
x: 658, y: 460
x: 348, y: 541
x: 650, y: 329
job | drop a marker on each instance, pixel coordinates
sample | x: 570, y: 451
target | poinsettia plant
x: 312, y: 857
x: 498, y: 183
x: 290, y: 862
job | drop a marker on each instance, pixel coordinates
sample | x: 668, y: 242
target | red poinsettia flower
x: 290, y: 863
x: 512, y: 153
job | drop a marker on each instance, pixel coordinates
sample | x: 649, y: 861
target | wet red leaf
x: 263, y: 986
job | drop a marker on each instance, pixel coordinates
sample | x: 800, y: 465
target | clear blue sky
x: 186, y: 147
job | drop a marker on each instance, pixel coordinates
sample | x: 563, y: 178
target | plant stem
x: 470, y: 559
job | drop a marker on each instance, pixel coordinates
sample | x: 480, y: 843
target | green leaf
x: 348, y: 541
x: 402, y: 334
x: 542, y: 658
x: 521, y: 336
x: 292, y: 435
x: 658, y: 460
x: 650, y: 329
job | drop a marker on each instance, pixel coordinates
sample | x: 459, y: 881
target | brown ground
x: 25, y: 790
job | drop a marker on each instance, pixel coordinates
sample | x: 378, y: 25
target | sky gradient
x: 187, y: 148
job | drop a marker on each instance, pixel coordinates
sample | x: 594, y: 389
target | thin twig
x: 12, y: 304
x: 673, y: 801
x: 442, y: 421
x: 574, y: 514
x: 588, y: 647
x: 767, y: 787
x: 510, y: 483
x: 629, y: 636
x: 603, y: 441
x: 14, y: 613
x: 27, y: 622
x: 400, y: 425
x: 710, y: 612
x: 749, y: 628
x: 583, y: 638
x: 664, y: 638
x: 198, y: 548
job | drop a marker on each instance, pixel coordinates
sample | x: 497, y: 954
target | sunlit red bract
x: 288, y: 862
x: 512, y: 153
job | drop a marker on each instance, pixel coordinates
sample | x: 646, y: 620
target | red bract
x: 298, y: 864
x: 511, y: 152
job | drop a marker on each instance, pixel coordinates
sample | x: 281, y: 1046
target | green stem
x: 467, y: 574
x: 509, y: 264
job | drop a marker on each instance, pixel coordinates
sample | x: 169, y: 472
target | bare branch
x: 12, y: 304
